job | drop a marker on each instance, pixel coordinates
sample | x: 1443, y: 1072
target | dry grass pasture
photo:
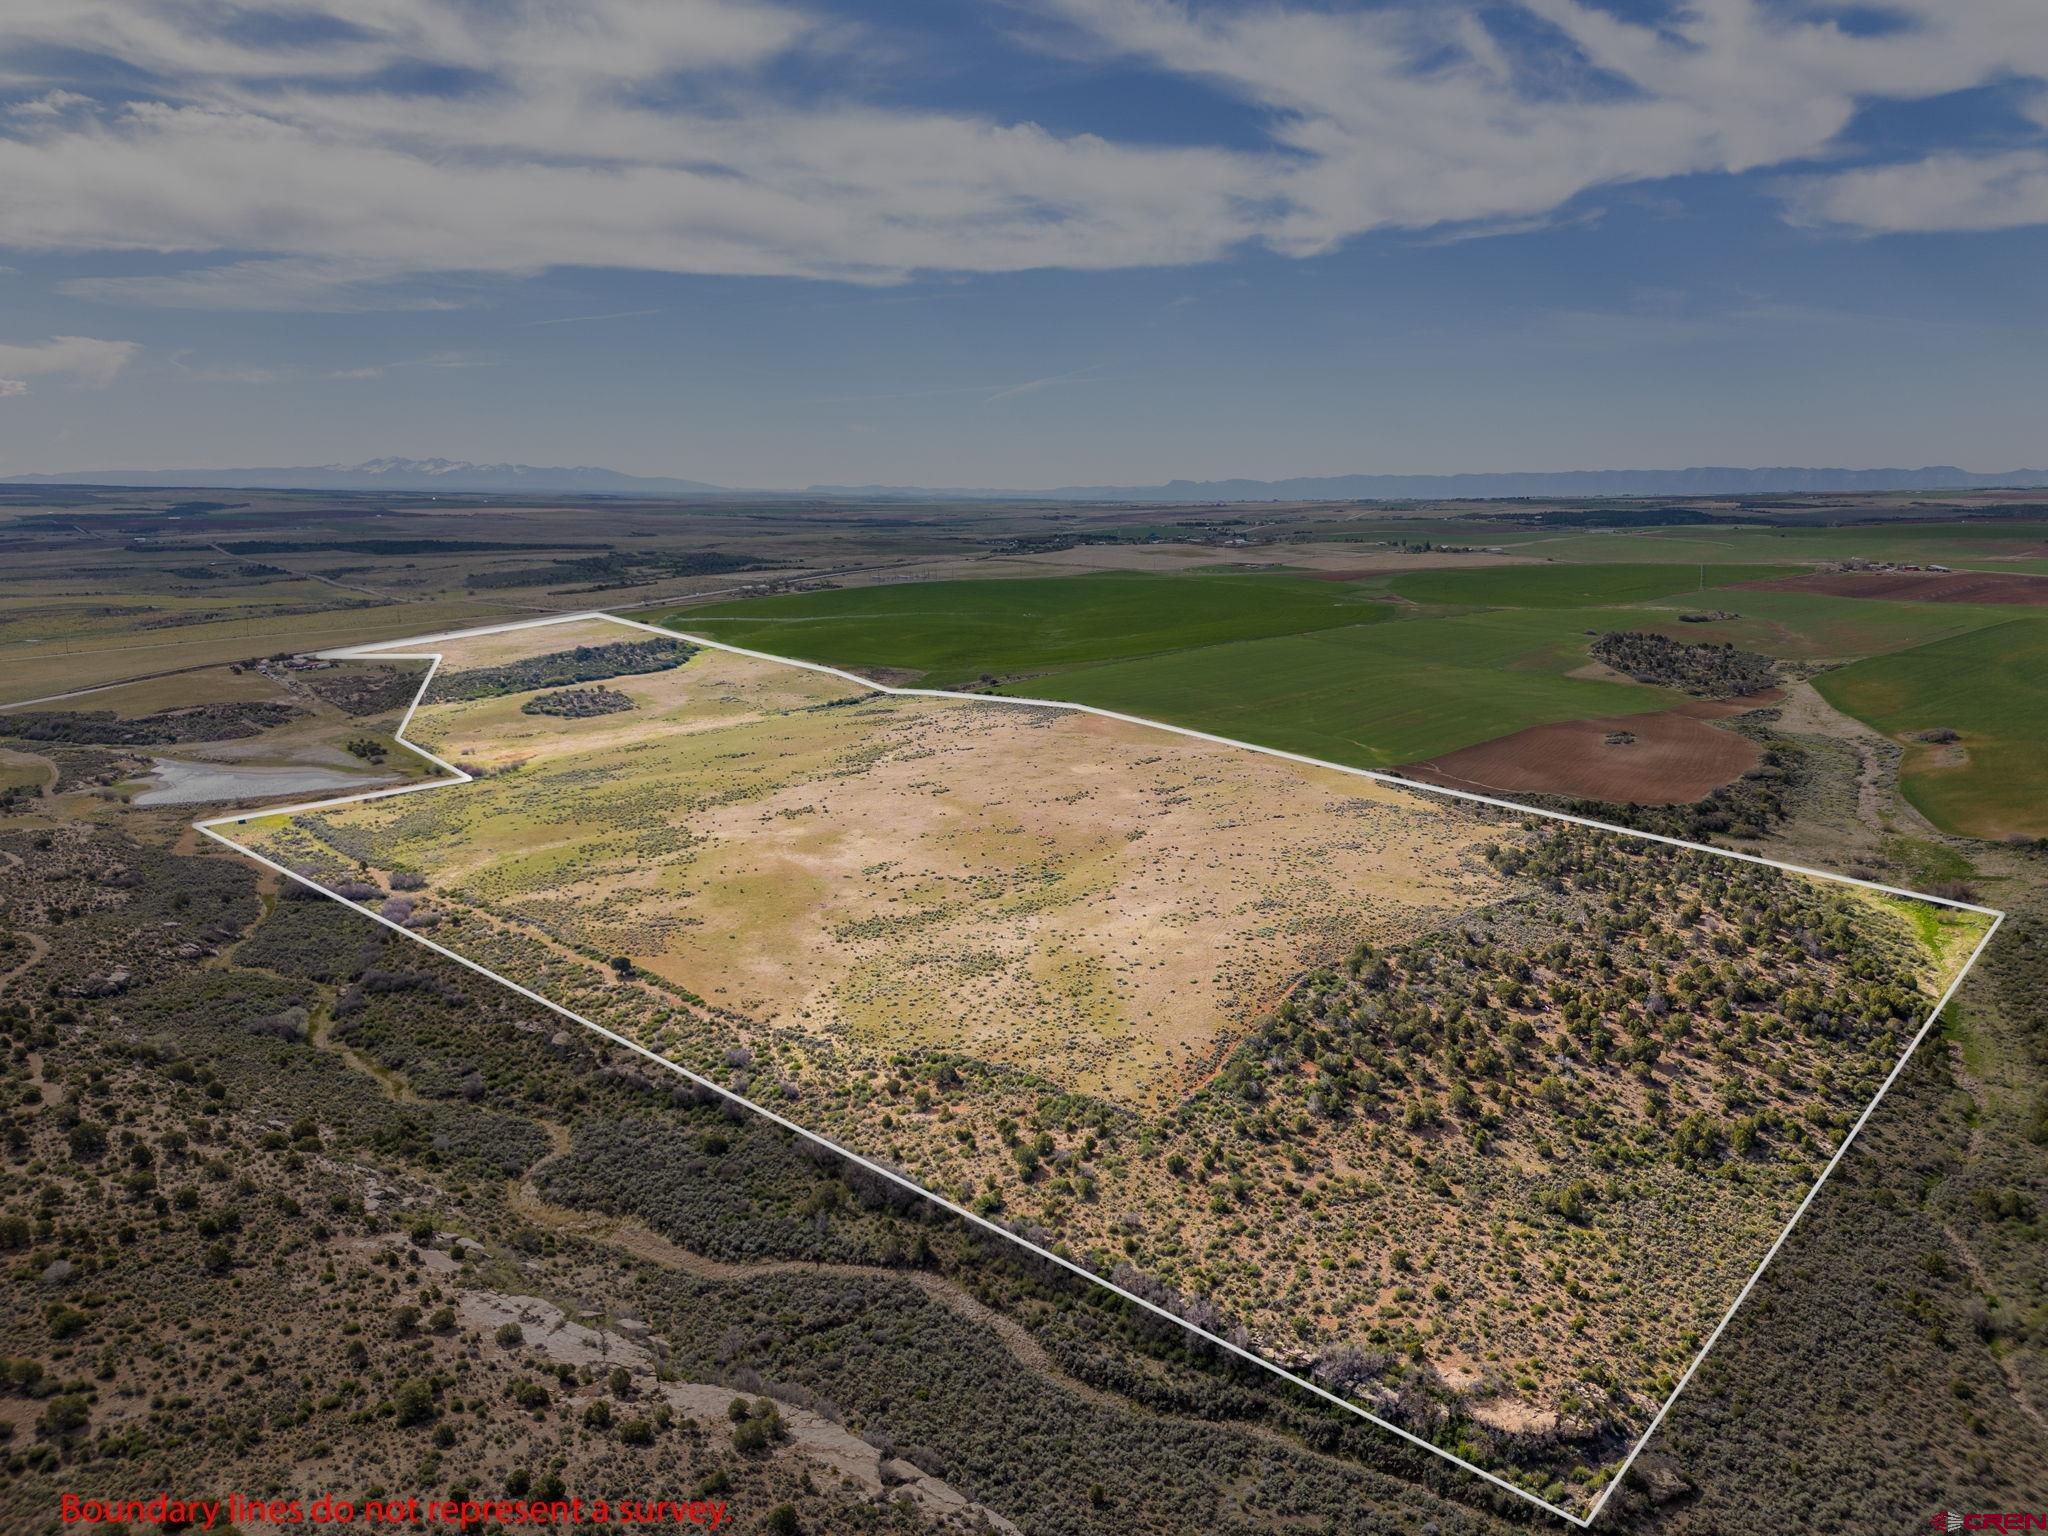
x: 1479, y: 1118
x: 1099, y: 904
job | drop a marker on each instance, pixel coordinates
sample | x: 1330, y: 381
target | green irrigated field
x: 1334, y: 670
x: 1573, y: 586
x: 1989, y: 686
x: 1394, y: 693
x: 1307, y: 666
x: 1992, y: 545
x: 950, y: 632
x: 1807, y: 626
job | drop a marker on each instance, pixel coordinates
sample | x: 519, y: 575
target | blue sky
x: 1027, y: 243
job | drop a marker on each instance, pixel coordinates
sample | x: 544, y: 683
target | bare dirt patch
x: 1671, y: 758
x: 550, y: 1333
x: 1999, y: 587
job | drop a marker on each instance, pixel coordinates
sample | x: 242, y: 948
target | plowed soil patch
x: 1919, y: 586
x: 1674, y: 758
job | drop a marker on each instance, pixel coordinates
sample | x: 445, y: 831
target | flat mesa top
x: 1476, y: 1119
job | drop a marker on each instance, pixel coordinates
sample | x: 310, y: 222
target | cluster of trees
x: 617, y: 568
x: 1659, y: 963
x: 561, y: 669
x: 578, y: 703
x: 102, y: 727
x: 1871, y: 1351
x: 362, y: 688
x: 1711, y: 671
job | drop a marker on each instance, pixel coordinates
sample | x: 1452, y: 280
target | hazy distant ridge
x: 455, y: 476
x: 1710, y: 481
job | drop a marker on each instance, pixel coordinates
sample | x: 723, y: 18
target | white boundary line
x: 390, y: 650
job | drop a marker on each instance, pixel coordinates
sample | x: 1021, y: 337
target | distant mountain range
x: 454, y: 476
x: 1531, y: 483
x: 458, y: 477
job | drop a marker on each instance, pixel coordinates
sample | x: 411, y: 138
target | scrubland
x: 1420, y: 1099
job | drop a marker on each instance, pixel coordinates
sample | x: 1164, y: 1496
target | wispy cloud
x: 617, y: 314
x: 1493, y: 229
x: 262, y: 373
x: 622, y: 133
x: 1656, y: 319
x: 236, y: 373
x: 2008, y: 190
x: 84, y: 360
x: 1033, y: 386
x: 432, y: 360
x: 50, y: 104
x: 987, y: 394
x: 1420, y: 116
x: 314, y: 285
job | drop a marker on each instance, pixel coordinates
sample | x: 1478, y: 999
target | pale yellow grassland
x: 1105, y: 904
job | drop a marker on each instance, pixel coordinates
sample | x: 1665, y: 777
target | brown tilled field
x: 2002, y: 587
x: 1671, y: 758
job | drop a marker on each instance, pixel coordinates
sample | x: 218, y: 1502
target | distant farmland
x: 1329, y: 669
x: 1572, y: 586
x: 950, y: 632
x: 1461, y: 658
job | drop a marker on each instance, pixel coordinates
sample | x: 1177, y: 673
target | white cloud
x: 13, y: 387
x: 850, y: 193
x: 50, y: 104
x: 1415, y: 117
x: 275, y: 283
x: 648, y: 134
x: 1999, y: 191
x: 78, y: 359
x: 644, y: 40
